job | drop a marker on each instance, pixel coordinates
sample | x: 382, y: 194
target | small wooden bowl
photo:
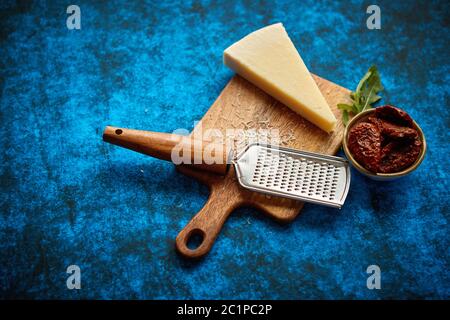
x: 381, y: 176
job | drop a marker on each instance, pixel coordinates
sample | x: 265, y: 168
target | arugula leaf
x: 365, y: 95
x: 347, y: 107
x: 345, y: 117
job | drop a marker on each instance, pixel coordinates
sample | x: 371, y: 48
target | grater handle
x: 203, y: 155
x: 206, y: 224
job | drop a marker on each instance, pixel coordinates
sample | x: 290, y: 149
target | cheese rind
x: 268, y: 59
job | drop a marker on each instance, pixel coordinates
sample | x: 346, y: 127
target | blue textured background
x: 68, y: 198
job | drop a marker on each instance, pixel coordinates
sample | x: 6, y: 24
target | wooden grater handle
x: 171, y: 147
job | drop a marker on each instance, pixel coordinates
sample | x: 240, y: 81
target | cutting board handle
x: 206, y: 224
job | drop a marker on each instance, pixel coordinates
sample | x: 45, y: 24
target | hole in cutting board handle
x: 119, y: 132
x: 195, y: 239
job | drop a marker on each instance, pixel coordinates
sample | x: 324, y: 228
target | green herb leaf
x: 346, y: 107
x: 363, y: 80
x: 365, y: 96
x: 345, y: 117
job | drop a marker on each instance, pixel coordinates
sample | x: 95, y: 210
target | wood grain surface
x: 243, y: 106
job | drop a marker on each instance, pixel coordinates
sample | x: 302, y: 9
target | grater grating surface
x: 300, y: 175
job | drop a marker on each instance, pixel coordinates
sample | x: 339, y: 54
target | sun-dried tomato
x: 386, y: 142
x: 397, y: 156
x: 395, y: 115
x: 364, y: 143
x: 392, y: 130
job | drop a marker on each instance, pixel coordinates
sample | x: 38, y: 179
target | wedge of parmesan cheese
x: 268, y: 59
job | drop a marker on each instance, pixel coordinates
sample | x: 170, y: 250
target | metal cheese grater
x: 277, y: 171
x: 290, y: 173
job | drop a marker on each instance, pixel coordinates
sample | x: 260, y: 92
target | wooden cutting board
x: 241, y: 105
